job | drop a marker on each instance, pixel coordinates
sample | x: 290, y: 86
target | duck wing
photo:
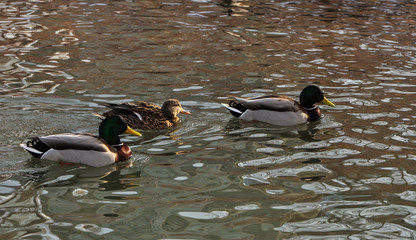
x: 139, y: 109
x: 143, y: 104
x: 272, y: 103
x: 123, y: 109
x: 75, y: 141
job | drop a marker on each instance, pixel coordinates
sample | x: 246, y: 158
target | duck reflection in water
x: 305, y: 132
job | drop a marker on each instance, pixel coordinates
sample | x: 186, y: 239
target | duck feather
x: 272, y: 103
x: 280, y: 110
x: 145, y: 115
x: 78, y: 141
x: 95, y: 158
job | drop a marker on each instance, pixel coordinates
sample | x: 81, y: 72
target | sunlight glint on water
x: 350, y: 175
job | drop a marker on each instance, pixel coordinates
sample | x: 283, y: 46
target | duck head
x: 113, y: 126
x: 173, y: 107
x: 313, y: 94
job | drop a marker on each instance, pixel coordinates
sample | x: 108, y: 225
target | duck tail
x: 102, y: 117
x: 35, y: 147
x: 235, y: 108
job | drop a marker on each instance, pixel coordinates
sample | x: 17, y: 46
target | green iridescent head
x: 313, y: 94
x: 113, y: 126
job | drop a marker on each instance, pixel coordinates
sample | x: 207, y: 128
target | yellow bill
x: 132, y: 132
x: 327, y: 102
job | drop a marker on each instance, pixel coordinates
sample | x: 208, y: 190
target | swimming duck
x: 88, y: 149
x: 281, y: 110
x: 144, y: 115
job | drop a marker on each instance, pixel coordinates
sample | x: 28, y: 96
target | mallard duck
x: 144, y: 115
x: 88, y: 149
x: 281, y: 110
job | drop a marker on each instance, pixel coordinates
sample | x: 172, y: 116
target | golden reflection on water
x: 212, y: 177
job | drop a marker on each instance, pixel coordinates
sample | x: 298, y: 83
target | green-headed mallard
x: 96, y: 151
x: 144, y: 115
x: 281, y: 110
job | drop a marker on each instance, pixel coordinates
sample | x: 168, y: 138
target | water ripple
x: 347, y: 176
x: 335, y: 153
x: 264, y: 176
x: 395, y: 177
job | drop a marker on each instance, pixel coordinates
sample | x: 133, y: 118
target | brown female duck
x: 144, y: 115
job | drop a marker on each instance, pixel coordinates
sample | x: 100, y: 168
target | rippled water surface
x: 350, y: 175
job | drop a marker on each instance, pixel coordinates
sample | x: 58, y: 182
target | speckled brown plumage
x: 152, y: 116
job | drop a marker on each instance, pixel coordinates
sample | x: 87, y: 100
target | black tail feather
x: 238, y: 106
x: 37, y: 144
